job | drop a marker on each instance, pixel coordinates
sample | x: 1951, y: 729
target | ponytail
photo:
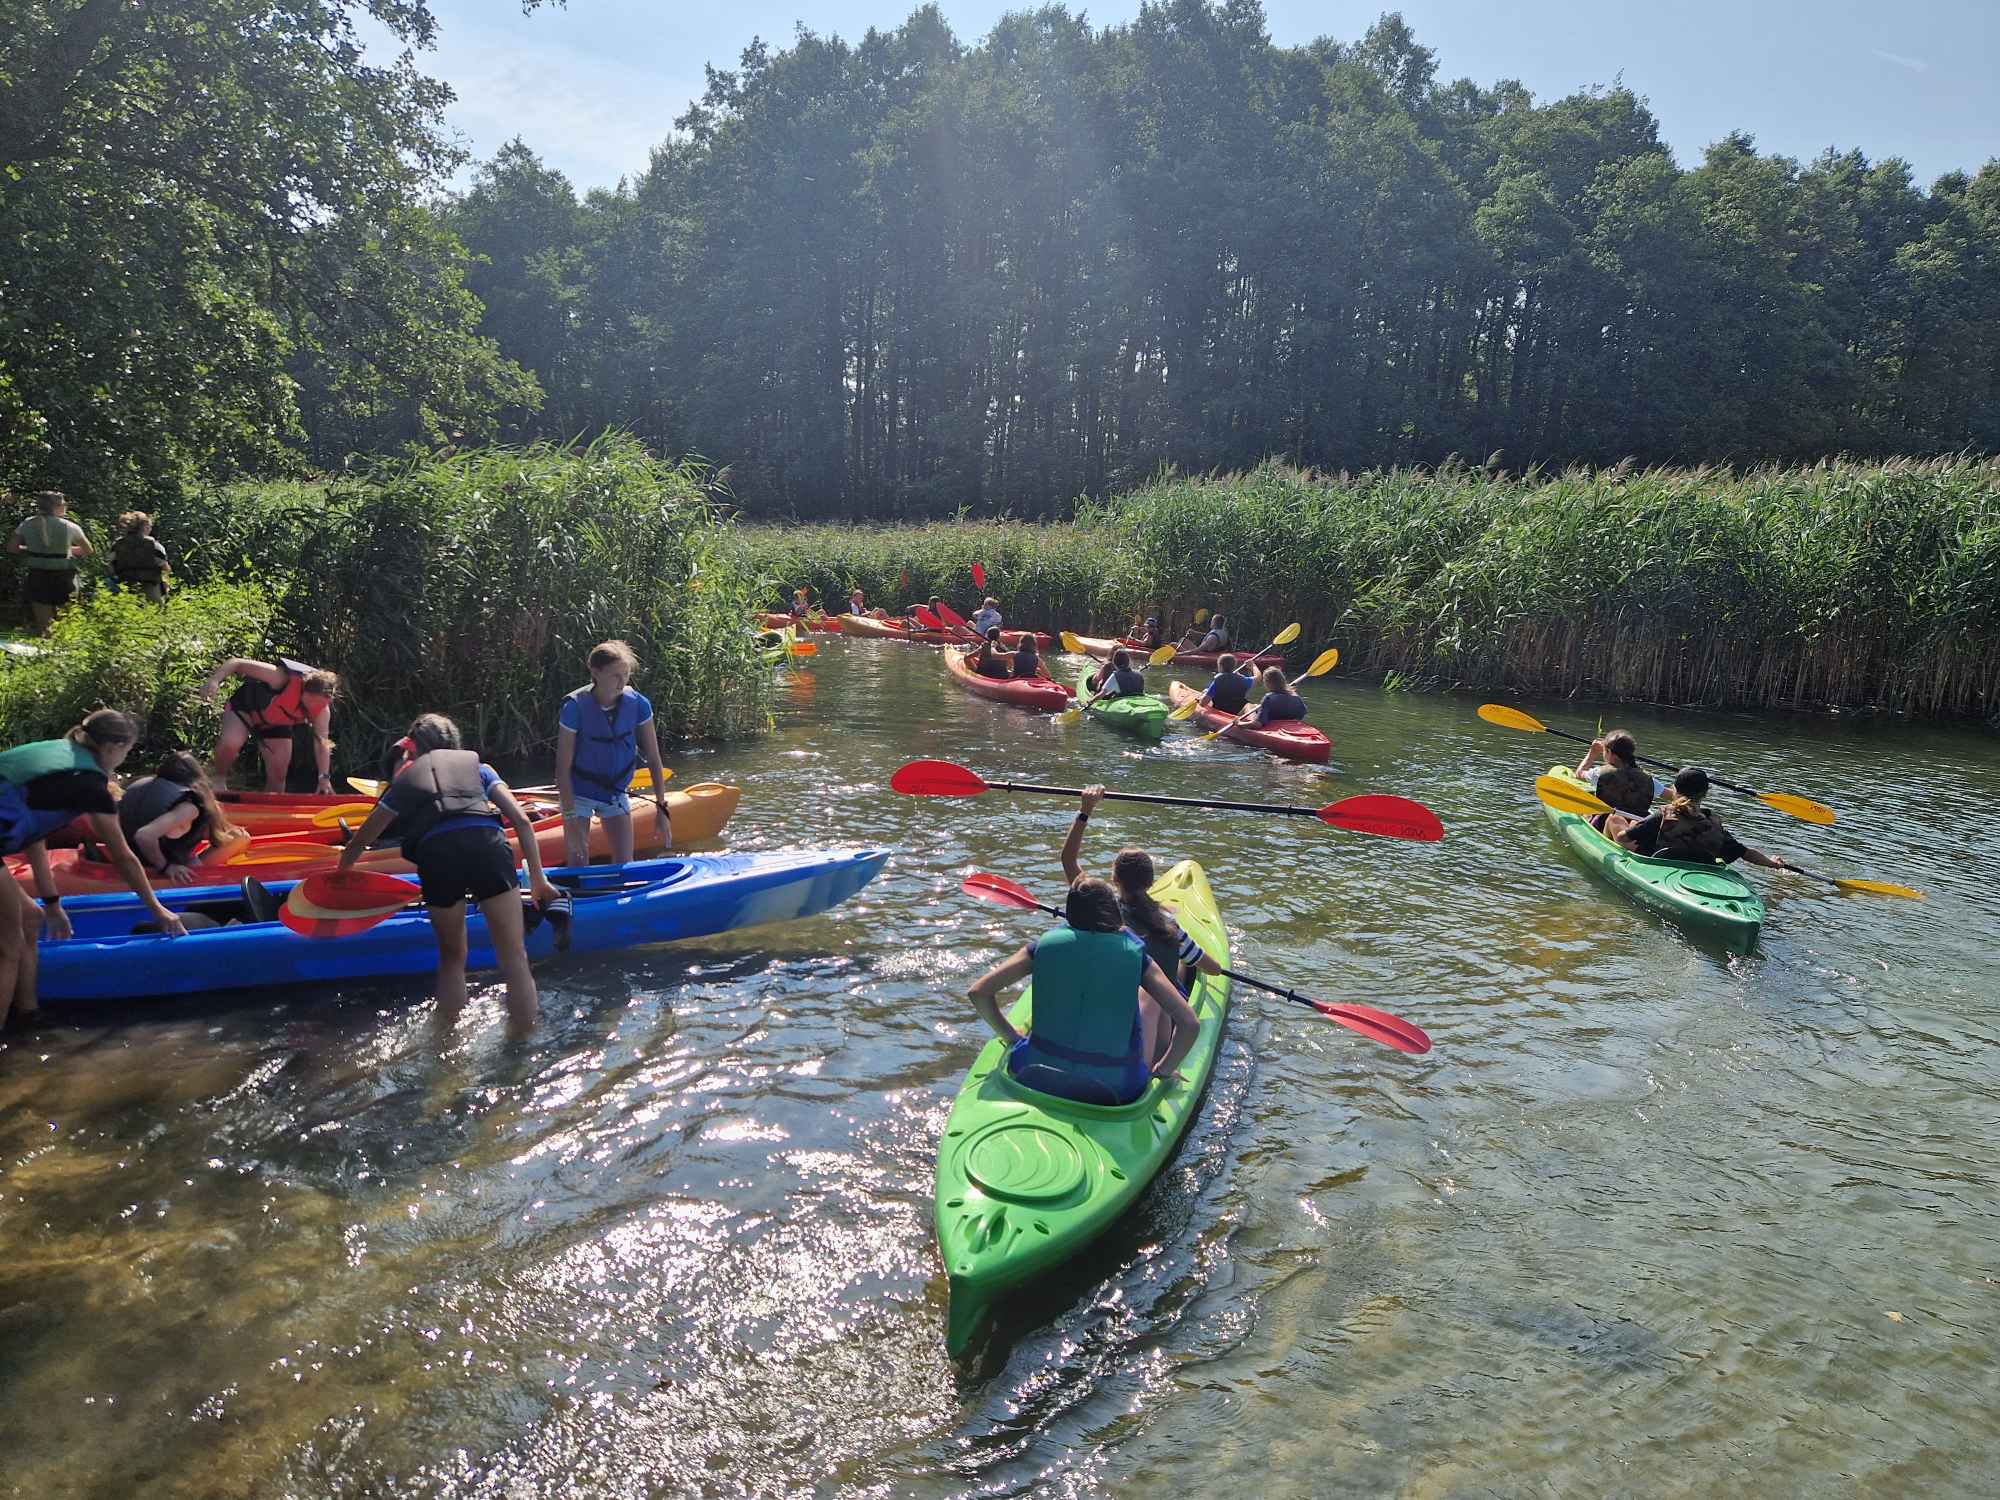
x: 107, y: 726
x: 1132, y: 873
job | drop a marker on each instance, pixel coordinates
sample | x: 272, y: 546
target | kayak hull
x: 698, y: 814
x: 1293, y: 742
x: 1025, y: 1180
x: 615, y: 907
x: 1143, y: 717
x: 1712, y: 902
x: 869, y: 626
x: 1041, y: 694
x: 825, y: 624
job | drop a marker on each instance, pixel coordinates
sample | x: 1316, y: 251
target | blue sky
x: 593, y: 87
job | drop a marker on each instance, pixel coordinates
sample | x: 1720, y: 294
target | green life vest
x: 48, y: 540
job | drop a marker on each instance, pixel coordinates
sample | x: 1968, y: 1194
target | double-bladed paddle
x: 1568, y: 797
x: 1284, y: 638
x: 1160, y: 657
x: 1379, y: 815
x: 1803, y: 808
x: 1377, y: 1025
x: 1324, y: 663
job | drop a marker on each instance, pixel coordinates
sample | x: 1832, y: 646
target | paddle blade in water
x: 978, y: 576
x: 1390, y: 1031
x: 1880, y: 888
x: 1385, y: 817
x: 1567, y: 797
x: 1803, y: 808
x: 1511, y: 718
x: 935, y: 778
x: 999, y: 891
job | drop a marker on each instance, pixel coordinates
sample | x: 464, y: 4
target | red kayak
x: 825, y: 624
x: 1290, y: 739
x: 1101, y: 647
x: 1039, y: 693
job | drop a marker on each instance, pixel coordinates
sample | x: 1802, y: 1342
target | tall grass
x: 1843, y: 584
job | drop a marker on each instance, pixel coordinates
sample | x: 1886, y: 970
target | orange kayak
x: 698, y: 814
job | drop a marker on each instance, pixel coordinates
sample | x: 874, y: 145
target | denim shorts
x: 587, y: 808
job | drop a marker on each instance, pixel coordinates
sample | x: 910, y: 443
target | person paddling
x: 273, y: 699
x: 1279, y: 705
x: 1027, y: 656
x: 1619, y: 781
x: 54, y: 544
x: 1177, y: 954
x: 167, y: 816
x: 1117, y: 678
x: 1685, y: 830
x: 448, y: 808
x: 989, y: 658
x: 987, y: 618
x: 43, y: 786
x: 1216, y: 638
x: 1229, y: 689
x: 602, y: 731
x: 1106, y: 1020
x: 138, y: 561
x: 1149, y: 636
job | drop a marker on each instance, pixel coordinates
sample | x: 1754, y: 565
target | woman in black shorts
x: 447, y: 806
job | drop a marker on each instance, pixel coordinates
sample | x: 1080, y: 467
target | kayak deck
x: 1143, y: 717
x: 1026, y: 1180
x: 1290, y: 738
x: 1711, y: 901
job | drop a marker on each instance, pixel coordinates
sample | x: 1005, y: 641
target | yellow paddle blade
x: 1070, y: 715
x: 1218, y: 733
x: 1071, y: 644
x: 328, y: 817
x: 642, y: 779
x: 1286, y: 636
x: 1185, y: 711
x: 1879, y: 888
x: 365, y: 786
x: 1568, y: 797
x: 1803, y: 808
x: 1162, y: 655
x: 1200, y: 615
x: 1511, y: 718
x: 1324, y: 663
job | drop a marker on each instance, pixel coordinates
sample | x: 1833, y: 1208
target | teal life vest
x: 20, y: 824
x: 1086, y: 1041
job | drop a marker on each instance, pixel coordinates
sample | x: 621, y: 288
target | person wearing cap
x: 1149, y: 636
x: 1686, y: 830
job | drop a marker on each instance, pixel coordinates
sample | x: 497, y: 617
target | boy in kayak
x: 1149, y: 636
x: 988, y: 617
x: 272, y: 700
x: 447, y: 807
x: 43, y: 786
x: 138, y: 561
x: 1107, y: 1021
x: 602, y: 730
x: 1619, y: 781
x: 167, y: 816
x: 1132, y: 877
x: 54, y: 545
x: 1229, y: 690
x: 1685, y: 830
x: 1117, y: 678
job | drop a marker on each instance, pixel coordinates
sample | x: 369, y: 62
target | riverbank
x: 1849, y: 586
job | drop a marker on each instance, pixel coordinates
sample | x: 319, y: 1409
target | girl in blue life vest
x: 603, y: 730
x: 448, y: 808
x: 273, y: 699
x: 1230, y: 689
x: 43, y: 786
x: 1028, y: 657
x: 167, y: 816
x: 1279, y: 703
x: 1106, y: 1020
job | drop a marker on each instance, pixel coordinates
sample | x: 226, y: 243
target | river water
x: 1649, y: 1219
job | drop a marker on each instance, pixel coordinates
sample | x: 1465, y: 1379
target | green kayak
x: 1026, y: 1180
x: 1144, y: 717
x: 1711, y: 901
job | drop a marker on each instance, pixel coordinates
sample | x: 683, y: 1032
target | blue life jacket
x: 1229, y: 692
x: 1027, y: 663
x: 1275, y: 708
x: 607, y: 744
x: 20, y: 824
x: 1086, y: 1041
x: 1126, y: 684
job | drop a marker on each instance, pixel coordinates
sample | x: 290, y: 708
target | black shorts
x: 263, y: 731
x: 49, y: 585
x: 461, y: 862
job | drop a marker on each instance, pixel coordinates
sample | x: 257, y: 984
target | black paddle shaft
x: 1073, y: 791
x: 1646, y: 760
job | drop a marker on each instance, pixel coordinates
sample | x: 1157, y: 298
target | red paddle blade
x: 978, y: 576
x: 340, y: 903
x: 952, y: 617
x: 1385, y: 817
x: 1000, y: 891
x: 1390, y: 1031
x: 926, y: 619
x: 935, y: 778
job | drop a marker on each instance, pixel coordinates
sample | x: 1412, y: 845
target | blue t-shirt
x: 985, y: 619
x: 488, y: 779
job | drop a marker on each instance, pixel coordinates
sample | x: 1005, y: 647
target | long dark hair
x: 1092, y: 906
x: 183, y: 769
x: 1132, y: 874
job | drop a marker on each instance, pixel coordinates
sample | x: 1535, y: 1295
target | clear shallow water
x: 1649, y: 1219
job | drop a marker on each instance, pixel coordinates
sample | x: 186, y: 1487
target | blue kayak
x: 115, y: 955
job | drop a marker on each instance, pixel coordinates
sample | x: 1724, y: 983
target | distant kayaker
x: 1215, y: 638
x: 987, y: 617
x: 1229, y: 689
x: 448, y: 808
x: 1279, y: 704
x: 54, y: 545
x: 167, y: 815
x: 44, y: 785
x: 1132, y: 877
x: 138, y: 561
x: 1107, y: 1020
x: 1685, y: 830
x: 1149, y: 635
x: 1619, y: 780
x: 603, y: 731
x: 990, y: 658
x: 800, y: 605
x: 1028, y: 656
x: 273, y: 699
x: 1117, y: 678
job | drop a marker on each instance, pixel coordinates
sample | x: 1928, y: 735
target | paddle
x: 1380, y: 1026
x: 979, y: 578
x: 1284, y: 638
x: 1378, y: 815
x: 1803, y: 808
x: 1567, y: 797
x: 1160, y: 657
x: 1324, y: 663
x: 955, y: 621
x: 340, y: 903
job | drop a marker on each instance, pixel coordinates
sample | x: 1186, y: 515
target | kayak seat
x: 258, y: 900
x: 1059, y: 1084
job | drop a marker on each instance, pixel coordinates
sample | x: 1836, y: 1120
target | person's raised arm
x: 1590, y: 756
x: 1010, y: 970
x: 1072, y: 852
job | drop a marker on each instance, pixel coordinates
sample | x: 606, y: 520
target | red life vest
x: 262, y: 706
